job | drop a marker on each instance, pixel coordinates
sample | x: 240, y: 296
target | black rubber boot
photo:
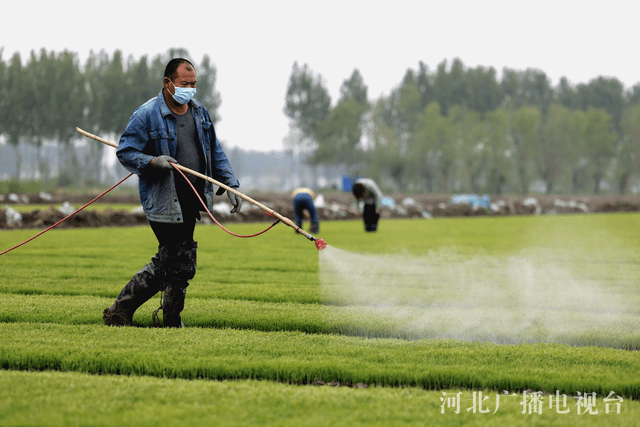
x: 173, y: 305
x: 179, y: 268
x: 142, y: 286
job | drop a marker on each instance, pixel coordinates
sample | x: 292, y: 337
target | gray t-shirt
x: 189, y: 154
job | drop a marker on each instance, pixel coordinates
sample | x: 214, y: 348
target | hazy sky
x: 254, y: 43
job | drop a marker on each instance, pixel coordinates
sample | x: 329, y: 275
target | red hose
x: 67, y: 217
x: 120, y: 182
x: 216, y: 221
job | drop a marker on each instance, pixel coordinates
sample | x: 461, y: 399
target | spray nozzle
x: 320, y: 244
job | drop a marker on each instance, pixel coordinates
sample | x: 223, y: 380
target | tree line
x: 46, y: 96
x: 461, y: 129
x: 451, y: 129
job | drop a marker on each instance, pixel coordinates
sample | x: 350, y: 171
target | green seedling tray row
x: 107, y: 400
x: 369, y: 322
x: 298, y: 358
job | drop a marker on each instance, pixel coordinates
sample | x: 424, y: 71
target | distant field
x: 416, y: 313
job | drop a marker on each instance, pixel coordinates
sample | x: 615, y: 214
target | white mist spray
x: 514, y: 299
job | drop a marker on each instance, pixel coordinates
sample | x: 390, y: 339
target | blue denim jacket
x: 151, y: 132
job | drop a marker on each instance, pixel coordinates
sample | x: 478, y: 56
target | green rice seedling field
x: 465, y: 321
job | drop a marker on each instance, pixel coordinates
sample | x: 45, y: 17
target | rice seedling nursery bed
x: 423, y: 322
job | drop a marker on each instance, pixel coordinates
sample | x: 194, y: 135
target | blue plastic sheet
x: 471, y: 199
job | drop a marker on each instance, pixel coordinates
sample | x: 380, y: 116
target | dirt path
x: 336, y: 206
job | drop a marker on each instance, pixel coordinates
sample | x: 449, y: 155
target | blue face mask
x: 183, y: 94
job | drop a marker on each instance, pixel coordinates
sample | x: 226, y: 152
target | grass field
x: 391, y: 328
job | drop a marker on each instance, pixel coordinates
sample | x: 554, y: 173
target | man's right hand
x: 162, y: 162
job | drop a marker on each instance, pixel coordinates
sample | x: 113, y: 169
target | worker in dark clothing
x: 369, y: 201
x: 303, y: 203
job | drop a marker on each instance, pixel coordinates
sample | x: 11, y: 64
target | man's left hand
x: 235, y: 201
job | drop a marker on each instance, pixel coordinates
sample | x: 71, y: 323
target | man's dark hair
x: 358, y: 190
x: 171, y: 70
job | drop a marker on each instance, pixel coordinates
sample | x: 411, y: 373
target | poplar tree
x: 339, y: 135
x: 307, y: 104
x: 599, y: 138
x: 16, y: 107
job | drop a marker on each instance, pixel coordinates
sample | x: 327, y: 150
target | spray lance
x: 320, y: 243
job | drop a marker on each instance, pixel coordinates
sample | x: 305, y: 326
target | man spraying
x: 171, y: 128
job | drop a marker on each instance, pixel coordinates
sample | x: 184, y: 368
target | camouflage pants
x: 168, y: 271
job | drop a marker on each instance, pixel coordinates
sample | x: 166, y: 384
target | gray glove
x: 162, y: 162
x: 235, y: 201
